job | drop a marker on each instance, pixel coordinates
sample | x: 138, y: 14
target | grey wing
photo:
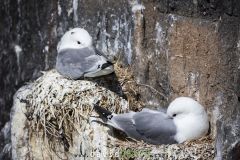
x: 155, y: 128
x: 160, y: 110
x: 125, y: 123
x: 76, y: 62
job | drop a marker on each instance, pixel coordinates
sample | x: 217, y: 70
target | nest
x: 130, y: 87
x: 59, y: 108
x: 56, y: 105
x: 202, y: 148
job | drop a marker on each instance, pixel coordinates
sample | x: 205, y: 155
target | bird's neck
x: 68, y: 46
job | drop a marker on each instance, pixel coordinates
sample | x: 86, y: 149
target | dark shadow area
x: 235, y: 153
x: 109, y: 82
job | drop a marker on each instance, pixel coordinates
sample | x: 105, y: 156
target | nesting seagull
x: 77, y: 58
x: 184, y: 120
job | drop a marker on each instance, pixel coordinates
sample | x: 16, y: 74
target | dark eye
x: 174, y: 115
x: 72, y: 32
x: 78, y: 42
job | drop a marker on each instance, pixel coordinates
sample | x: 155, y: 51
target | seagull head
x: 190, y: 118
x: 75, y: 38
x: 183, y: 106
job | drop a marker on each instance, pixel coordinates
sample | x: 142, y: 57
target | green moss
x: 130, y: 153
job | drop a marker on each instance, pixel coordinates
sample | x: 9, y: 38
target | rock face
x: 175, y: 48
x: 5, y: 135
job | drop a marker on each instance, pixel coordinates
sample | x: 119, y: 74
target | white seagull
x: 184, y: 120
x: 77, y: 58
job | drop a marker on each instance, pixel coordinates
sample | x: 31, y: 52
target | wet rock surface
x: 175, y: 48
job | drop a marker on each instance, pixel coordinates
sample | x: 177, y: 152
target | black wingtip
x: 105, y: 65
x: 102, y: 111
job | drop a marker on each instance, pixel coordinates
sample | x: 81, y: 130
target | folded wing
x: 152, y: 127
x: 74, y: 63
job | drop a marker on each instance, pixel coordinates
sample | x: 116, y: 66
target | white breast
x: 191, y: 127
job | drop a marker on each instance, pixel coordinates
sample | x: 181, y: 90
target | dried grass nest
x: 57, y: 104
